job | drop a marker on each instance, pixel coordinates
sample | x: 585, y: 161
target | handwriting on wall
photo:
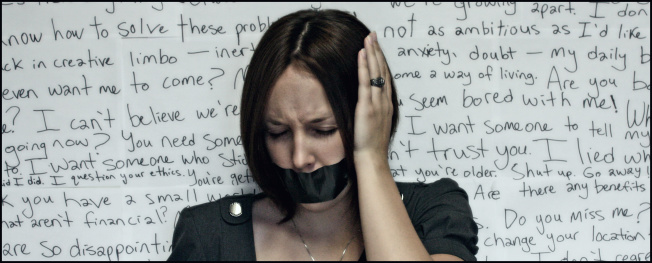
x: 117, y: 116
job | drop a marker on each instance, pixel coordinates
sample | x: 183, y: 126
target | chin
x: 323, y: 206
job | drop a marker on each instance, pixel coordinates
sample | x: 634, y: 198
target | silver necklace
x: 305, y: 245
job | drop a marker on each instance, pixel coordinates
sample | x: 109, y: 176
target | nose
x: 302, y: 155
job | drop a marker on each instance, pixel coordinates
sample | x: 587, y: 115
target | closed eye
x: 321, y: 133
x: 276, y: 135
x: 317, y: 133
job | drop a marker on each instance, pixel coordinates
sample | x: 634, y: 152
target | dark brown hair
x: 324, y: 43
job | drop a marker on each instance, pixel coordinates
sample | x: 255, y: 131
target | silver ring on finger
x: 378, y: 82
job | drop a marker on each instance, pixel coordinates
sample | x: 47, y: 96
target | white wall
x: 72, y: 162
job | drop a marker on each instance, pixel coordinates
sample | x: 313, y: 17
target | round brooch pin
x: 235, y: 209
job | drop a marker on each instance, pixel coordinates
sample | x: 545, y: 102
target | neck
x: 332, y: 220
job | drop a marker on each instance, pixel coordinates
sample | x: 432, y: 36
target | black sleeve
x: 443, y: 219
x: 185, y: 242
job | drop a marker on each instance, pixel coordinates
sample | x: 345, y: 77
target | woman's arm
x: 387, y: 229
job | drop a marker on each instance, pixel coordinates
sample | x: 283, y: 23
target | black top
x: 439, y: 211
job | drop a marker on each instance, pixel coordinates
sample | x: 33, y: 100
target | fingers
x: 374, y: 68
x: 372, y: 57
x: 384, y: 69
x: 371, y: 65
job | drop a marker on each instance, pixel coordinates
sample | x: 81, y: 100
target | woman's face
x: 302, y: 133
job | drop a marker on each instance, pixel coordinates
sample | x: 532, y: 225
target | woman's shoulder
x: 234, y: 209
x: 443, y: 194
x: 442, y: 216
x: 215, y: 231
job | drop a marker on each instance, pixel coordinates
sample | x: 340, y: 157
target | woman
x: 316, y: 121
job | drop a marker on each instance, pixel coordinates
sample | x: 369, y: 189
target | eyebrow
x: 317, y: 120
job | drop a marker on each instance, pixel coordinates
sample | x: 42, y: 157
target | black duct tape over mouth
x: 321, y: 185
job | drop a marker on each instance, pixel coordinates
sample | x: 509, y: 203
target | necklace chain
x: 305, y: 245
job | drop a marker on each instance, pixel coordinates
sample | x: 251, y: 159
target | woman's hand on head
x: 373, y: 113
